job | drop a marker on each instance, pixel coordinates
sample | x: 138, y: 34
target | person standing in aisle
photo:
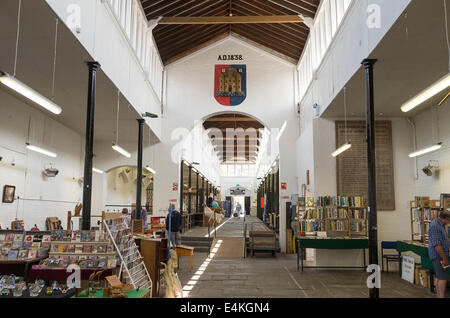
x: 238, y: 209
x: 143, y: 214
x: 438, y: 249
x: 175, y: 226
x: 126, y: 216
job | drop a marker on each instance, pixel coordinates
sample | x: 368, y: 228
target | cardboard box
x: 423, y: 278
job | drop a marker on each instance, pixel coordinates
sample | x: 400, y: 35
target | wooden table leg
x: 190, y: 262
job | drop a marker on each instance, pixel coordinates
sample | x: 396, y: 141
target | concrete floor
x: 230, y: 227
x: 277, y: 277
x: 265, y: 276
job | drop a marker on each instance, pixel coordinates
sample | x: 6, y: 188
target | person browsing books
x: 438, y: 250
x: 143, y: 214
x: 175, y: 225
x: 126, y: 216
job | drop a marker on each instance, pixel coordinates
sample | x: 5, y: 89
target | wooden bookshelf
x: 422, y: 213
x: 336, y: 220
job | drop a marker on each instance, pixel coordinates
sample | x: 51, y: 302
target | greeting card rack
x: 131, y: 262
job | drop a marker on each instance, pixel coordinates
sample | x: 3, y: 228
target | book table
x: 60, y: 274
x: 55, y: 295
x: 421, y: 250
x: 18, y: 267
x: 330, y: 244
x: 141, y: 293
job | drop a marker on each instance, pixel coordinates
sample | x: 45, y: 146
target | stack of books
x: 22, y: 246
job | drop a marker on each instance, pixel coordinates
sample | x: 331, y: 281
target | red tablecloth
x: 60, y: 274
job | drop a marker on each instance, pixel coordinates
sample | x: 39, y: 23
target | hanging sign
x: 408, y: 269
x: 175, y: 186
x: 283, y: 185
x: 230, y: 84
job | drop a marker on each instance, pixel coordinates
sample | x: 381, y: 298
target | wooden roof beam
x: 232, y: 19
x: 171, y: 30
x: 191, y: 50
x: 188, y: 42
x: 230, y: 119
x: 264, y: 9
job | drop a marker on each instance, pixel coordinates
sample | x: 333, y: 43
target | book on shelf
x: 13, y: 254
x: 445, y: 201
x: 422, y: 201
x: 336, y: 214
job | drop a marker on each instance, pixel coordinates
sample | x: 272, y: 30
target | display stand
x: 338, y: 216
x: 131, y: 260
x: 422, y: 213
x: 420, y: 249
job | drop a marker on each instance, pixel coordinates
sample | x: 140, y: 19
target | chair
x: 388, y: 245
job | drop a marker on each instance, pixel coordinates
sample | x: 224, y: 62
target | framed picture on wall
x: 9, y: 192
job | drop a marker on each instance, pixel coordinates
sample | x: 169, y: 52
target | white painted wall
x: 43, y: 197
x: 101, y: 36
x: 190, y: 88
x: 353, y: 43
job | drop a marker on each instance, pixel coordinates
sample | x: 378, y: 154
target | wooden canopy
x: 235, y: 137
x: 189, y: 25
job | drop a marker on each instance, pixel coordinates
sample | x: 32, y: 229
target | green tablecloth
x: 421, y: 250
x: 131, y: 294
x: 333, y: 244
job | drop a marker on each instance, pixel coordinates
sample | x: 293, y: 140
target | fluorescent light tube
x: 97, y: 170
x: 340, y: 150
x: 283, y: 128
x: 426, y: 150
x: 434, y: 89
x: 42, y: 151
x: 121, y: 151
x: 24, y: 90
x: 150, y: 169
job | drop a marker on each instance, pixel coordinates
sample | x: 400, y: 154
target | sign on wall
x: 408, y: 269
x: 175, y: 186
x: 351, y: 166
x: 230, y: 84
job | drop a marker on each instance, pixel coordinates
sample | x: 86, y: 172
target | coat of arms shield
x: 230, y: 84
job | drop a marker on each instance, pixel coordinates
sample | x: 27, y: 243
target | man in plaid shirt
x: 438, y: 250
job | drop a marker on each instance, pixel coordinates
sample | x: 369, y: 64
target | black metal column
x: 181, y: 186
x: 189, y: 189
x: 197, y: 197
x: 89, y: 146
x: 371, y: 168
x: 139, y: 170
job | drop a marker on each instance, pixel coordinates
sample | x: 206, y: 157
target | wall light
x: 434, y: 89
x: 342, y: 149
x: 41, y: 150
x: 121, y: 150
x: 426, y: 150
x: 283, y: 128
x: 24, y: 90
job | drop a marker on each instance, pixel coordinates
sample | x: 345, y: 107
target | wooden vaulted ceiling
x: 175, y: 41
x: 242, y: 146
